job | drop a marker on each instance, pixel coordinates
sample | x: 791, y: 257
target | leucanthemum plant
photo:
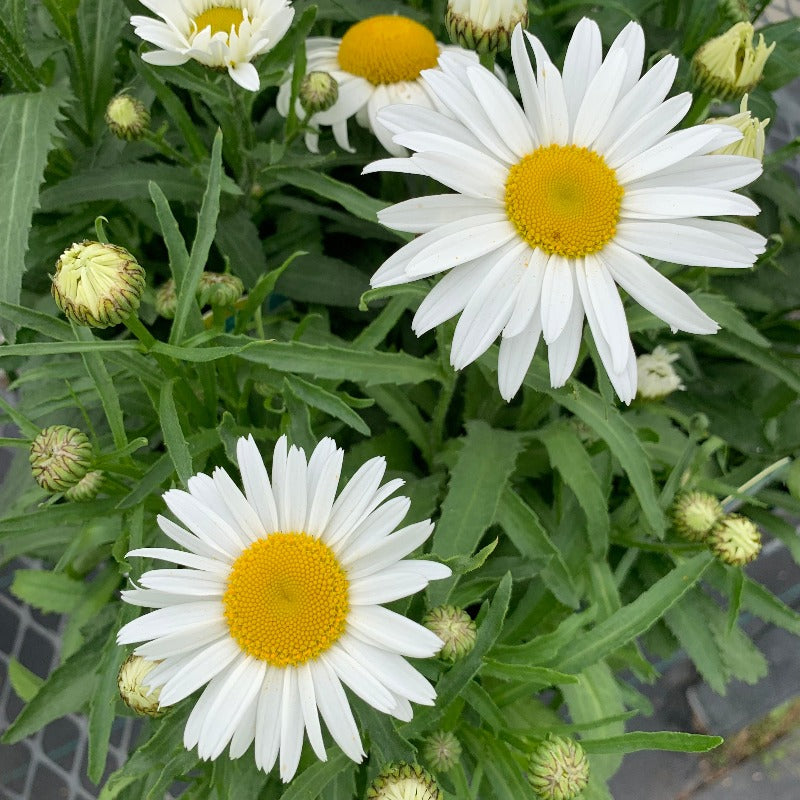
x: 377, y: 62
x: 559, y: 200
x: 227, y: 35
x: 278, y: 605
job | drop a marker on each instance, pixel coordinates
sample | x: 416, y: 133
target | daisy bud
x: 133, y: 688
x: 655, y: 376
x: 736, y: 10
x: 455, y: 628
x: 694, y: 514
x: 166, y: 299
x: 97, y: 284
x: 126, y: 117
x: 735, y: 540
x: 60, y: 457
x: 484, y: 25
x: 441, y: 750
x: 217, y: 289
x: 728, y: 66
x: 404, y: 782
x: 86, y: 488
x: 753, y: 137
x: 318, y: 92
x: 558, y: 769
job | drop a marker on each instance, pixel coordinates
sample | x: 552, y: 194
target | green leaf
x: 24, y: 682
x: 38, y: 321
x: 48, y: 591
x: 535, y: 677
x: 317, y: 397
x: 763, y: 359
x: 314, y: 779
x: 504, y: 773
x: 342, y: 363
x: 723, y: 311
x: 635, y: 618
x: 568, y: 455
x: 528, y: 535
x: 404, y: 413
x: 609, y: 425
x: 354, y: 200
x: 173, y: 239
x: 317, y: 278
x: 67, y: 689
x: 174, y: 437
x: 461, y: 565
x: 14, y: 61
x: 26, y: 138
x: 186, y: 284
x: 652, y: 740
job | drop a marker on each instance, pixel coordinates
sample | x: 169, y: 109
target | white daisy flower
x: 559, y: 200
x: 278, y: 605
x: 656, y: 377
x: 376, y: 63
x: 225, y: 35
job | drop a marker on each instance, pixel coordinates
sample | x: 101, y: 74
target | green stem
x: 166, y: 149
x: 460, y: 781
x: 135, y: 326
x: 487, y: 60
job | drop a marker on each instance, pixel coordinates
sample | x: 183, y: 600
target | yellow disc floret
x: 287, y: 599
x: 564, y: 199
x: 388, y: 49
x: 220, y: 19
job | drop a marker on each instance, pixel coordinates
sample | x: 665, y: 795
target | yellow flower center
x: 220, y: 19
x: 287, y: 599
x: 388, y: 49
x: 564, y: 199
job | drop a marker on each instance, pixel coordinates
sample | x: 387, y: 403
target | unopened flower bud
x: 484, y: 25
x: 404, y: 782
x: 126, y: 117
x: 655, y: 376
x: 133, y: 687
x: 753, y: 133
x: 558, y: 769
x: 166, y: 299
x: 736, y: 10
x: 60, y: 457
x: 441, y: 750
x: 735, y: 540
x: 86, y: 488
x: 218, y: 289
x: 318, y: 92
x: 97, y: 284
x: 729, y: 66
x: 694, y: 514
x: 455, y: 628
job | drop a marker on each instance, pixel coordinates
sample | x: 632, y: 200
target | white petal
x: 291, y: 726
x: 245, y: 731
x: 654, y: 292
x: 352, y: 503
x: 681, y: 244
x: 675, y: 202
x: 405, y: 118
x: 308, y: 704
x: 423, y: 214
x: 321, y: 501
x: 557, y: 296
x: 358, y: 679
x: 203, y: 522
x: 528, y: 90
x: 551, y: 91
x: 184, y: 582
x: 279, y: 458
x: 583, y: 58
x: 335, y: 710
x: 255, y: 479
x: 752, y: 241
x: 515, y: 357
x: 384, y: 552
x: 185, y: 559
x: 378, y: 626
x: 385, y: 586
x: 246, y: 75
x: 710, y: 172
x: 631, y: 40
x: 529, y: 293
x: 166, y: 621
x: 191, y: 542
x: 182, y: 642
x: 247, y: 521
x: 147, y: 598
x: 268, y: 719
x: 201, y: 669
x: 477, y: 180
x: 376, y: 527
x: 600, y: 98
x: 295, y: 498
x: 563, y: 352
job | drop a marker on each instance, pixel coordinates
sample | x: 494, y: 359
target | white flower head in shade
x: 227, y: 35
x: 377, y: 62
x: 655, y: 375
x: 557, y: 202
x: 278, y: 605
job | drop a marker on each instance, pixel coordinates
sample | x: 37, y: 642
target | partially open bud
x: 655, y: 376
x: 86, y: 488
x: 441, y: 750
x: 729, y: 66
x: 694, y: 514
x: 60, y: 457
x: 133, y: 688
x: 318, y: 92
x: 166, y: 299
x: 126, y: 117
x: 97, y: 284
x: 455, y: 628
x: 484, y: 25
x: 558, y: 769
x: 218, y: 289
x: 404, y: 782
x: 735, y: 540
x: 753, y: 133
